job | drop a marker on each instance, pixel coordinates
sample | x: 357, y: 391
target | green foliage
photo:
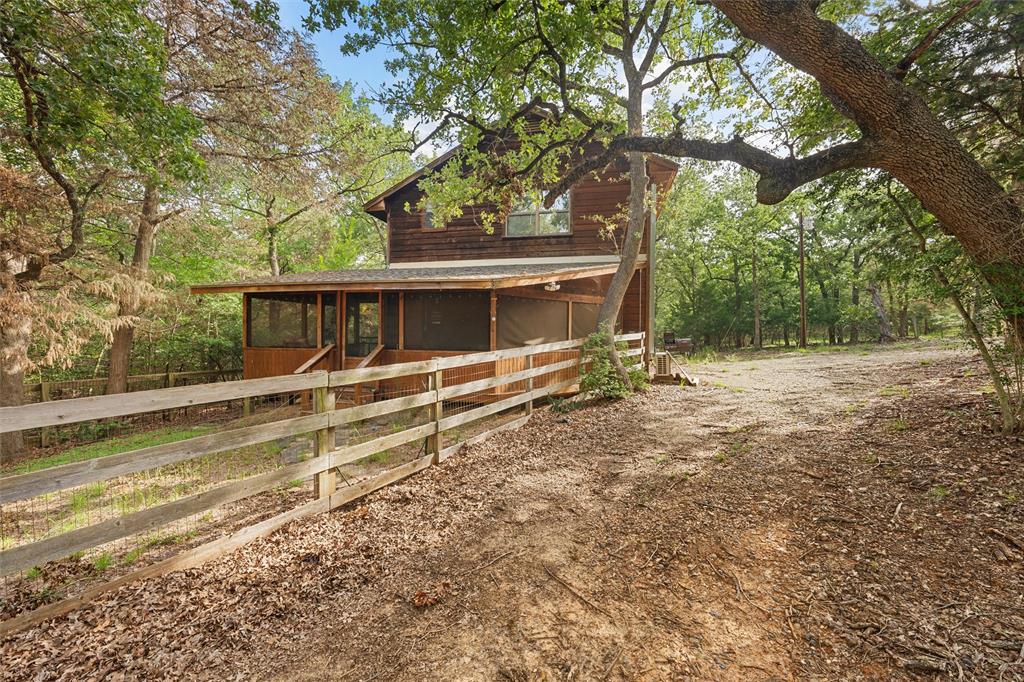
x: 601, y: 378
x: 103, y: 562
x: 98, y: 70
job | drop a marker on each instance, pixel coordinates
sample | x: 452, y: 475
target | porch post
x: 344, y: 325
x: 319, y: 320
x: 494, y: 320
x: 401, y: 320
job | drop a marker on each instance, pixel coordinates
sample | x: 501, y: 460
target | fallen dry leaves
x: 798, y: 521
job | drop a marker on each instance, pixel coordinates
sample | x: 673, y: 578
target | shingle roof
x: 469, y: 277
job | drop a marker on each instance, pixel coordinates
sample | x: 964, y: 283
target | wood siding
x: 464, y: 238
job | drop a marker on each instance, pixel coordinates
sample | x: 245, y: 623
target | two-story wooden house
x: 453, y: 288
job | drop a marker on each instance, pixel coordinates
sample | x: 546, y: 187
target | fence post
x: 247, y: 406
x: 44, y: 396
x: 436, y: 383
x: 324, y: 483
x: 529, y: 385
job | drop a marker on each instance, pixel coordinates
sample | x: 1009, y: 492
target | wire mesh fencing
x: 232, y: 455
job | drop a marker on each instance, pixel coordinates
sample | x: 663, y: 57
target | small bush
x: 602, y: 379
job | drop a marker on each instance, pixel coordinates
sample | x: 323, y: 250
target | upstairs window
x: 429, y: 221
x: 529, y: 218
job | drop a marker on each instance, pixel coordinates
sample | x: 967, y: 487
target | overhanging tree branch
x: 778, y: 176
x: 901, y: 69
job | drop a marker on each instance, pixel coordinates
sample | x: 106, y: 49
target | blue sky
x: 366, y: 70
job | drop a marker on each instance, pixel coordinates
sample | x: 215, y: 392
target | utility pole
x: 803, y: 286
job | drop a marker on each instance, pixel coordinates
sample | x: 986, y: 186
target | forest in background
x: 152, y: 145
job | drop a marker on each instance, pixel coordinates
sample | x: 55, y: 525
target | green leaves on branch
x: 602, y: 379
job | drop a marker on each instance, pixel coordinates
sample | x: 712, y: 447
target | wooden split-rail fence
x: 552, y: 377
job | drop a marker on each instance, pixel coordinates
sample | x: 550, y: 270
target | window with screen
x: 362, y: 322
x: 531, y: 321
x: 584, y: 319
x: 391, y: 321
x: 430, y: 222
x: 529, y: 218
x: 448, y: 321
x: 282, y: 321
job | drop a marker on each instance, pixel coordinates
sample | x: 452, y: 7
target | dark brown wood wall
x: 464, y: 238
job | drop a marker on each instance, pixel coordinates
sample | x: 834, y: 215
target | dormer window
x: 429, y: 221
x: 529, y: 217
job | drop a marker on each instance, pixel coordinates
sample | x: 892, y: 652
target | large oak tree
x: 473, y: 68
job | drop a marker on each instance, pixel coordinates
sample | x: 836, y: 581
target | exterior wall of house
x: 465, y: 239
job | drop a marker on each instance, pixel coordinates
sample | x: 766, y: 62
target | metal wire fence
x: 196, y: 468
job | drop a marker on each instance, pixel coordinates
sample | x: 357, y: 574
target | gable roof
x: 375, y: 206
x: 377, y: 209
x: 456, y: 277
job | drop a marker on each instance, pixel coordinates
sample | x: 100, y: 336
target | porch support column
x: 494, y: 320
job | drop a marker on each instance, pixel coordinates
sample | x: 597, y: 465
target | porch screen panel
x: 391, y: 321
x: 531, y: 321
x: 448, y: 321
x: 282, y: 321
x: 584, y: 319
x: 330, y: 313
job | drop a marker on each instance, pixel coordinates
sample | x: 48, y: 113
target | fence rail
x: 69, y: 389
x: 503, y: 391
x: 43, y: 391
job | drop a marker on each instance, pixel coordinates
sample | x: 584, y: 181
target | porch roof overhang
x: 456, y: 277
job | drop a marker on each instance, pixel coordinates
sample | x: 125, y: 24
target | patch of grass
x: 102, y: 562
x: 899, y: 425
x: 720, y: 457
x: 295, y: 483
x: 737, y: 448
x: 1011, y: 496
x: 901, y: 391
x: 111, y: 446
x: 924, y: 363
x: 80, y: 500
x: 33, y: 573
x: 138, y: 498
x: 159, y: 540
x: 938, y: 492
x: 375, y: 458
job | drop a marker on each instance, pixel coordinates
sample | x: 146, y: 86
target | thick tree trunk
x: 633, y: 238
x: 273, y: 259
x: 902, y: 137
x: 145, y: 237
x: 884, y: 328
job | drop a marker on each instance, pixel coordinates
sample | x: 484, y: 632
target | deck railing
x: 448, y: 408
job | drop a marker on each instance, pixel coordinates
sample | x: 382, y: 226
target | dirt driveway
x: 825, y: 515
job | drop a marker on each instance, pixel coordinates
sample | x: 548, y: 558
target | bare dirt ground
x: 803, y: 516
